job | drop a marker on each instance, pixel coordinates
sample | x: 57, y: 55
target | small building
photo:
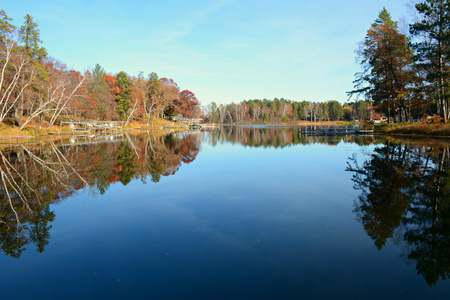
x: 380, y: 120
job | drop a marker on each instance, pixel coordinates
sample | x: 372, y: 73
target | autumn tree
x: 138, y: 96
x: 99, y: 100
x: 285, y: 111
x: 168, y: 98
x: 59, y: 92
x: 189, y: 105
x: 386, y: 61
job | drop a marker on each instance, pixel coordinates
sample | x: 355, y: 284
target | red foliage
x: 111, y: 81
x: 189, y: 105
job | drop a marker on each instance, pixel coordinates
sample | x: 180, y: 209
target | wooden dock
x: 336, y: 131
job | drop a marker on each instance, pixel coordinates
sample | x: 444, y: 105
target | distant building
x: 380, y: 120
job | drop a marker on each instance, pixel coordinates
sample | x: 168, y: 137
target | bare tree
x: 256, y: 112
x: 222, y: 113
x: 12, y: 64
x: 60, y: 91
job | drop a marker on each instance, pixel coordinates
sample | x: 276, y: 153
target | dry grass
x: 157, y: 125
x: 418, y: 129
x: 8, y: 129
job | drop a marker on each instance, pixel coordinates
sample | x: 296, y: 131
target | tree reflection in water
x: 33, y: 178
x: 279, y: 137
x: 405, y: 189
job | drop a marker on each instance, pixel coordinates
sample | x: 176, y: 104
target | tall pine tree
x: 433, y: 50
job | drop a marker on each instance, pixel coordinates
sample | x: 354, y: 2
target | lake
x: 231, y: 213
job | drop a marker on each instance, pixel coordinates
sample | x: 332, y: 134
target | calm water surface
x: 232, y: 213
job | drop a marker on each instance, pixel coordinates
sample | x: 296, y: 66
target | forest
x: 35, y: 87
x: 283, y: 111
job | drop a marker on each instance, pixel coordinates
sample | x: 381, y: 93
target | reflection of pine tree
x: 384, y: 182
x: 126, y: 161
x: 101, y: 169
x: 428, y: 221
x: 155, y: 170
x: 40, y: 230
x: 408, y: 186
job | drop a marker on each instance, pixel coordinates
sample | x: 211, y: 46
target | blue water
x: 238, y: 222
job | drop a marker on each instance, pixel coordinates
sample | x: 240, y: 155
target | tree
x: 6, y: 28
x: 189, y: 105
x: 362, y: 110
x: 433, y: 54
x: 29, y: 35
x: 123, y: 97
x: 285, y: 110
x: 138, y: 96
x: 386, y: 61
x: 212, y: 112
x: 99, y: 101
x: 335, y: 110
x: 59, y: 93
x: 153, y: 89
x: 168, y: 98
x: 14, y: 76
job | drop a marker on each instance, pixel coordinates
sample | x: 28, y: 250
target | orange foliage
x: 110, y: 80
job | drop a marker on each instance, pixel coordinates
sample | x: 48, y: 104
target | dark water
x: 237, y: 213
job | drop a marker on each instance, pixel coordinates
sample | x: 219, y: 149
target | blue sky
x: 222, y: 50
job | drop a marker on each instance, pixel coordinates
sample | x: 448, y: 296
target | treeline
x: 37, y: 87
x: 282, y: 110
x: 406, y: 74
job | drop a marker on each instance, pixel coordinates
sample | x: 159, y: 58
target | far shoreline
x: 10, y: 133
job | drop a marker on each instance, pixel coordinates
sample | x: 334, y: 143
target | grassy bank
x: 415, y: 129
x: 11, y: 132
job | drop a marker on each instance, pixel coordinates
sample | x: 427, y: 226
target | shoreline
x: 420, y: 130
x: 10, y: 134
